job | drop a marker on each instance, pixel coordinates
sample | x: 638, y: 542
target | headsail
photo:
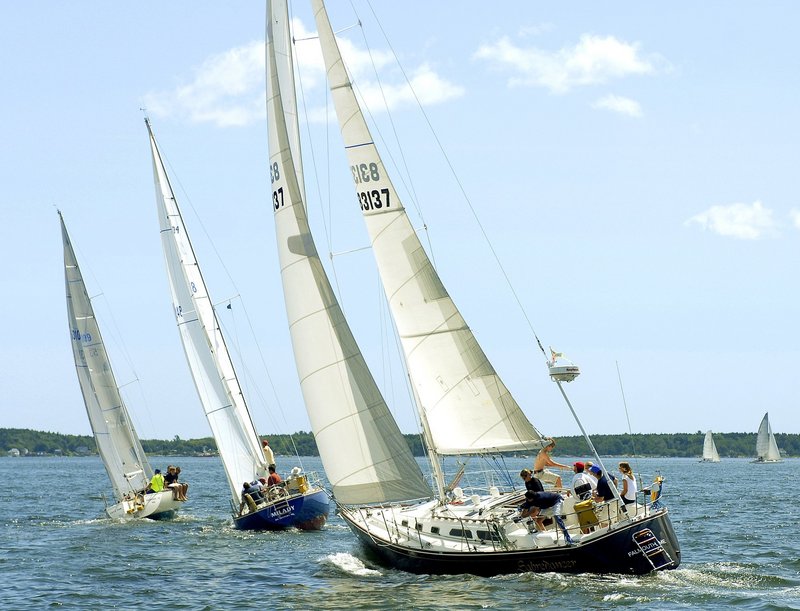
x: 366, y: 458
x: 766, y: 446
x: 117, y: 443
x: 212, y: 369
x: 467, y: 407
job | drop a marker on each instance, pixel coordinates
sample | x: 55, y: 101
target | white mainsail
x: 212, y: 369
x: 366, y: 458
x: 766, y: 446
x: 710, y: 453
x: 463, y: 401
x: 117, y: 443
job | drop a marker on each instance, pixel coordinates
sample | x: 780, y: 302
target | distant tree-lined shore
x: 39, y: 443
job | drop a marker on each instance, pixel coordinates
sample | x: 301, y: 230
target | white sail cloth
x: 366, y: 458
x: 117, y: 443
x: 766, y: 446
x: 710, y: 453
x: 467, y: 407
x: 209, y: 361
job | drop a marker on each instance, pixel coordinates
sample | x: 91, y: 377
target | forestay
x: 210, y: 363
x: 366, y: 458
x: 117, y: 443
x: 467, y: 407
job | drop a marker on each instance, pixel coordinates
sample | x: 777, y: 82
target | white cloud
x: 622, y: 105
x: 593, y: 60
x: 741, y: 221
x: 228, y: 88
x: 795, y: 216
x: 429, y: 86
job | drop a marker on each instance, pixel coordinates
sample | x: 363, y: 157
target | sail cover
x: 467, y: 407
x: 210, y: 363
x: 366, y: 458
x: 117, y: 443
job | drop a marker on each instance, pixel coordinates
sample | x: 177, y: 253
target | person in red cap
x: 582, y: 483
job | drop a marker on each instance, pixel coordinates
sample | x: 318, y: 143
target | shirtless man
x: 544, y: 460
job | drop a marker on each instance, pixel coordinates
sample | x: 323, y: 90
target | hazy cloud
x: 593, y: 60
x: 795, y: 216
x: 622, y: 105
x: 742, y: 221
x: 228, y: 88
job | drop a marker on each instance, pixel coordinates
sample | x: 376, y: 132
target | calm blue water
x: 737, y: 522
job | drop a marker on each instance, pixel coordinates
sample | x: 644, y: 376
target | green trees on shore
x: 302, y: 443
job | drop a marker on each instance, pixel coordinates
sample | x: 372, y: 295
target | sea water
x: 737, y: 523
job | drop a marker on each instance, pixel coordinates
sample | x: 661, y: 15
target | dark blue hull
x: 306, y: 512
x: 614, y: 552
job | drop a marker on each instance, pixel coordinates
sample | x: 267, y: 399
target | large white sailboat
x: 117, y: 442
x: 297, y: 502
x: 766, y: 446
x: 464, y: 407
x: 710, y: 453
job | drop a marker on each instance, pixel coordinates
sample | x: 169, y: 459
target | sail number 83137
x: 371, y: 199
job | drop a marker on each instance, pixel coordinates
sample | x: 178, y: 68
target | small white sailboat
x: 464, y: 407
x: 710, y: 453
x: 298, y: 502
x: 766, y: 446
x: 117, y: 442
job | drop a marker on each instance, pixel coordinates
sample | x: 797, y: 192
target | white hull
x: 152, y: 505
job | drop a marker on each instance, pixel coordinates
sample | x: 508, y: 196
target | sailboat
x: 710, y: 453
x: 119, y: 446
x: 297, y: 502
x: 766, y: 446
x: 464, y: 407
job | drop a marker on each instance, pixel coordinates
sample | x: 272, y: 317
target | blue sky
x: 633, y: 167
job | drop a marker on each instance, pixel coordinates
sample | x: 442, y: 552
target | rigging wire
x: 628, y: 418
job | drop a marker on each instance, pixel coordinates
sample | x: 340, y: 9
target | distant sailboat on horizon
x: 766, y: 447
x: 710, y: 453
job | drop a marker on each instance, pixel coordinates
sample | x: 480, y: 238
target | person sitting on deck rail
x: 156, y: 482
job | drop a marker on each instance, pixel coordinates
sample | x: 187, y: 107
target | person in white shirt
x: 582, y: 484
x: 628, y: 492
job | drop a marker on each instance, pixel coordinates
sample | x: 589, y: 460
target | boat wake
x: 347, y: 563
